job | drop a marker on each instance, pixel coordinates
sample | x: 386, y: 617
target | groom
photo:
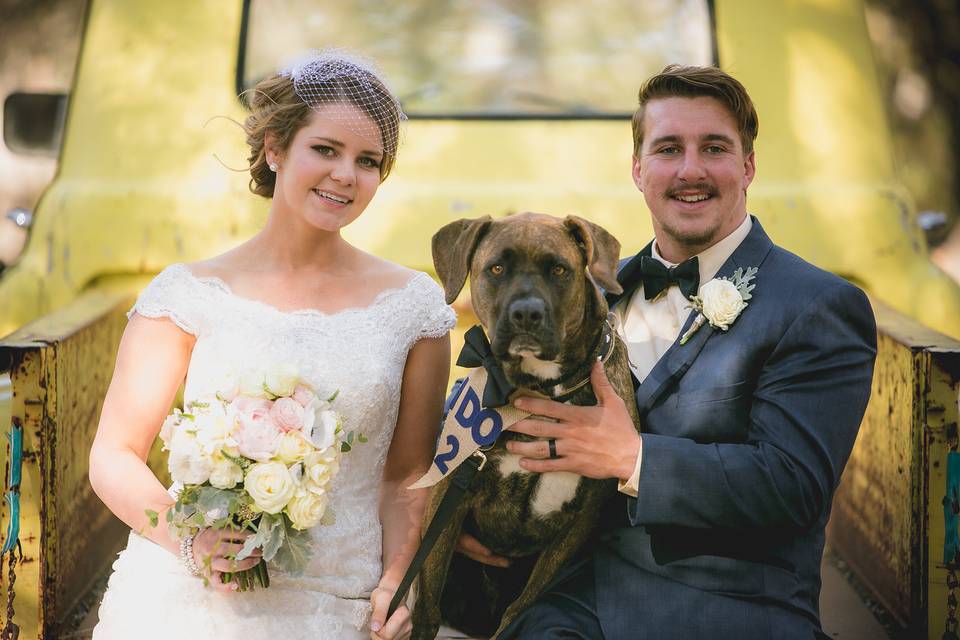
x: 746, y: 421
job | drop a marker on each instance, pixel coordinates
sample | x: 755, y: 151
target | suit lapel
x: 678, y: 358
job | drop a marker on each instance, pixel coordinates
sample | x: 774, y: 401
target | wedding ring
x: 552, y: 443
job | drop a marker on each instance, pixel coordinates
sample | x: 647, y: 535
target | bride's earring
x: 274, y: 166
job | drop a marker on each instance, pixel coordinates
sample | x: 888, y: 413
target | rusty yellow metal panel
x: 30, y: 572
x: 888, y: 517
x: 939, y: 446
x: 825, y: 159
x: 60, y: 367
x: 140, y: 182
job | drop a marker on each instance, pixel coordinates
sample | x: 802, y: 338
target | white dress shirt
x: 650, y: 327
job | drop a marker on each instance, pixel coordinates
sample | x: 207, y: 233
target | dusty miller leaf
x: 211, y: 498
x: 264, y: 531
x: 273, y: 543
x: 293, y: 555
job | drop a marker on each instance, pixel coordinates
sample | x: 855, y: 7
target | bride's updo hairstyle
x: 282, y: 104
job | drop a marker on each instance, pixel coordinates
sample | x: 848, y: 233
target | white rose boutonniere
x: 721, y: 301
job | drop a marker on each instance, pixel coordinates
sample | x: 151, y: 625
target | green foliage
x: 240, y: 461
x: 275, y: 540
x: 263, y: 532
x: 292, y: 556
x: 742, y: 280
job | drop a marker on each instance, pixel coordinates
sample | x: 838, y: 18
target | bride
x: 322, y: 138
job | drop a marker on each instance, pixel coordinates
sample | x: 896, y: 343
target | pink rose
x: 256, y: 433
x: 304, y: 395
x: 287, y: 414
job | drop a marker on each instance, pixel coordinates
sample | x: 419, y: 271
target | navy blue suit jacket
x: 745, y: 435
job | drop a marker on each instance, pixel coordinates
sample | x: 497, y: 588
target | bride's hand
x: 215, y: 550
x: 398, y: 626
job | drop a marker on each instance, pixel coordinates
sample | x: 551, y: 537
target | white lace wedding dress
x: 359, y: 352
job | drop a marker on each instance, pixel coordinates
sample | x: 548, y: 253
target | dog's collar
x: 476, y: 353
x: 603, y: 347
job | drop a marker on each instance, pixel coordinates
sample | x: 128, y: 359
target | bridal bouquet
x: 259, y: 455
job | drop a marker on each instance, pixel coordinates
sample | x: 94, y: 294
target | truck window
x: 491, y: 58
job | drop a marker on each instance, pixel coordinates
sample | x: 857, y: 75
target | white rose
x: 722, y: 302
x: 188, y: 463
x: 225, y: 474
x: 270, y: 485
x: 294, y: 447
x: 324, y: 431
x: 282, y: 379
x: 251, y: 385
x: 229, y: 387
x: 214, y: 425
x: 318, y: 468
x: 306, y: 509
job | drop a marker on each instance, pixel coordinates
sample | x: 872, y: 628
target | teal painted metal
x: 13, y: 487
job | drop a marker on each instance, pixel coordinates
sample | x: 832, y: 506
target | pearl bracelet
x: 186, y: 554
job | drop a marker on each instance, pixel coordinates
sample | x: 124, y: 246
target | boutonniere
x: 721, y: 300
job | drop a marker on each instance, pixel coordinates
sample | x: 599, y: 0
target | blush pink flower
x: 256, y: 433
x: 304, y: 395
x: 287, y: 414
x: 245, y: 404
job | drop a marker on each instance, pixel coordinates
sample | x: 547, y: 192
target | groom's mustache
x: 703, y: 187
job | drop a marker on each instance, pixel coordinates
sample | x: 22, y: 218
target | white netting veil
x: 348, y: 90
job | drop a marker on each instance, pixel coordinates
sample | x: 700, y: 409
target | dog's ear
x: 601, y: 250
x: 453, y: 246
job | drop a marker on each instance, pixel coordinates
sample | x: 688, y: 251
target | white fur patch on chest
x: 555, y: 489
x: 543, y: 369
x: 510, y: 463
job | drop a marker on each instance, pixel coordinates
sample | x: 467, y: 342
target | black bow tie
x: 477, y: 353
x: 657, y: 277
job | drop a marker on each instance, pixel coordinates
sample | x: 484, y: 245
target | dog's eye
x: 497, y: 269
x: 558, y: 270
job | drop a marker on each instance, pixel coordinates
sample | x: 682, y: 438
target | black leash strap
x: 459, y: 484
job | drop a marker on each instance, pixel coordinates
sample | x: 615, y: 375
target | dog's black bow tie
x: 477, y: 353
x: 657, y: 277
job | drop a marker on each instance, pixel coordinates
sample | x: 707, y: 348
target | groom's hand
x: 595, y: 442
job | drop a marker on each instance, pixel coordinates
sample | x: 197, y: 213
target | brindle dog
x: 533, y: 283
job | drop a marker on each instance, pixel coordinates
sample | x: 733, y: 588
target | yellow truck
x: 513, y: 106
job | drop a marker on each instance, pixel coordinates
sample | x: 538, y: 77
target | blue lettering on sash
x: 477, y: 417
x: 470, y: 415
x: 444, y: 457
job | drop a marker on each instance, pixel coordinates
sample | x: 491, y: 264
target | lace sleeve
x: 172, y: 294
x: 434, y: 317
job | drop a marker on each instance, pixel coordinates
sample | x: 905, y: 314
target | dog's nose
x: 527, y: 313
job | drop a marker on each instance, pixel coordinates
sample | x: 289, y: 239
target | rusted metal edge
x: 911, y: 333
x: 62, y: 323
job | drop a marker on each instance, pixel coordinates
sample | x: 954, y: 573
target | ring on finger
x: 552, y: 447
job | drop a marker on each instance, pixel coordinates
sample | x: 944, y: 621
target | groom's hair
x: 678, y: 81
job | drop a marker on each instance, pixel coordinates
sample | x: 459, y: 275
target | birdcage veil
x: 335, y: 76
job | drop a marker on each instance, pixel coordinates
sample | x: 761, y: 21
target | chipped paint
x: 888, y: 519
x: 61, y: 366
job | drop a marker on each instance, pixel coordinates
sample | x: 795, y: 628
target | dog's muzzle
x: 527, y: 314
